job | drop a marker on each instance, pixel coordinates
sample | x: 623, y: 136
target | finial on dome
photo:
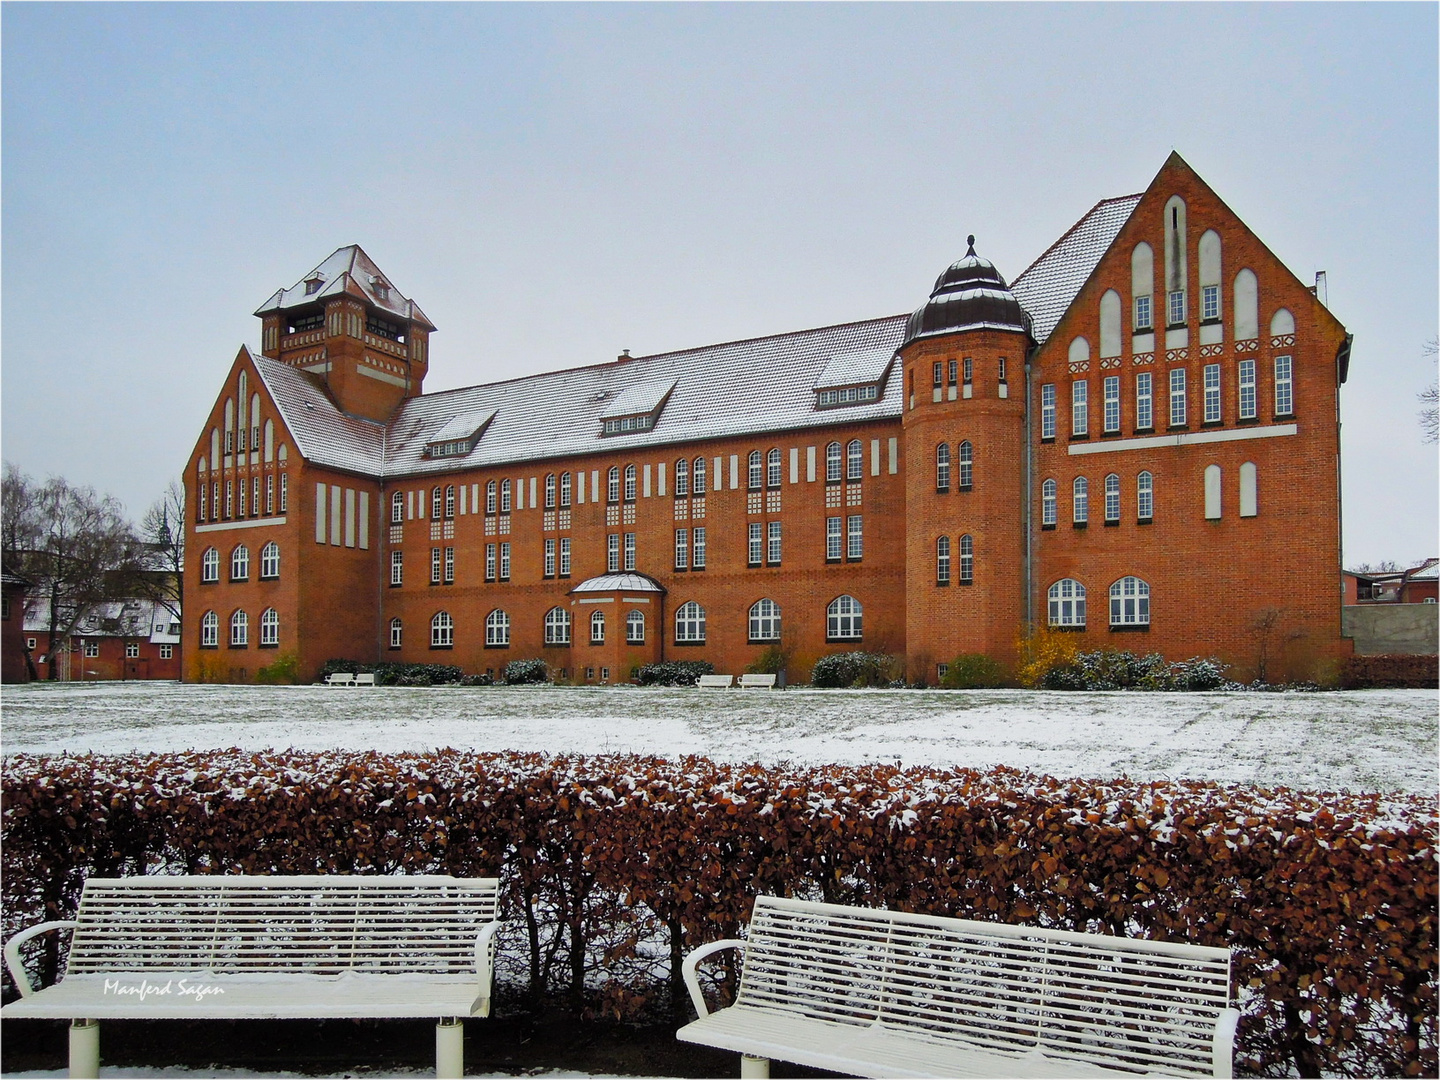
x: 971, y: 241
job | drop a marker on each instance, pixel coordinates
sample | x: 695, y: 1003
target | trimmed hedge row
x: 614, y: 866
x: 1391, y: 671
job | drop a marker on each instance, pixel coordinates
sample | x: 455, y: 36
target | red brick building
x: 116, y: 640
x: 1115, y: 446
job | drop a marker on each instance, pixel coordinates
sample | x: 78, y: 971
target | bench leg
x: 450, y: 1048
x: 753, y: 1067
x: 85, y: 1049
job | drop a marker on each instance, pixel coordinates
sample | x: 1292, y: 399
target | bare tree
x: 1384, y: 566
x: 1430, y: 399
x: 76, y: 545
x: 162, y: 530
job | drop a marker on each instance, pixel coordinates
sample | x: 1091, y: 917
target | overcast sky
x: 555, y: 183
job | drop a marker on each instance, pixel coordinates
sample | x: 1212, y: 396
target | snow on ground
x: 1372, y: 740
x: 180, y: 1072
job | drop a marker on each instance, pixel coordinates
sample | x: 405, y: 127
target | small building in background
x: 116, y: 640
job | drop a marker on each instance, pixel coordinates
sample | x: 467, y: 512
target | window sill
x: 1210, y: 322
x: 269, y: 577
x: 773, y: 565
x: 442, y: 647
x: 209, y: 581
x: 754, y: 565
x: 1144, y: 521
x: 505, y: 646
x: 1046, y: 439
x: 1139, y: 628
x: 1212, y: 424
x: 856, y: 559
x: 232, y: 646
x: 682, y: 570
x: 942, y: 491
x: 688, y: 644
x: 942, y: 584
x: 762, y: 641
x: 1071, y: 629
x: 1112, y: 524
x: 262, y: 645
x: 1079, y: 436
x: 557, y: 645
x: 1248, y: 420
x: 1047, y: 528
x: 1111, y: 434
x: 1145, y: 430
x: 833, y: 562
x: 843, y: 640
x: 239, y: 580
x: 1178, y: 427
x: 1079, y: 524
x: 1177, y: 326
x: 202, y: 646
x: 964, y: 584
x: 963, y: 488
x: 1282, y: 417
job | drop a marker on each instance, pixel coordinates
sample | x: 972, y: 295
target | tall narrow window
x: 952, y: 372
x: 504, y: 561
x: 1047, y: 411
x: 772, y: 543
x: 765, y: 621
x: 612, y: 484
x: 505, y: 496
x: 834, y: 539
x: 967, y: 560
x: 566, y: 490
x: 436, y: 565
x: 442, y: 631
x: 269, y: 628
x: 209, y: 630
x: 490, y: 503
x: 210, y: 565
x: 1130, y: 602
x: 756, y: 544
x: 630, y: 551
x: 635, y: 628
x: 550, y: 558
x: 697, y: 486
x: 240, y: 563
x: 756, y: 471
x: 397, y: 508
x: 1112, y: 404
x: 565, y: 556
x: 489, y: 562
x: 1067, y: 603
x: 1210, y: 303
x: 942, y: 560
x: 1177, y: 307
x: 597, y: 628
x: 942, y: 467
x: 1212, y: 393
x: 697, y: 548
x: 1247, y: 389
x: 855, y: 538
x: 1143, y: 317
x: 1080, y: 407
x: 772, y: 468
x: 1144, y: 401
x: 1081, y: 495
x: 612, y: 553
x: 254, y: 495
x: 397, y: 567
x: 284, y: 489
x: 965, y: 464
x: 1284, y: 391
x: 629, y: 483
x: 1048, y: 500
x: 397, y: 630
x: 437, y: 503
x: 557, y: 626
x: 449, y: 566
x: 1177, y: 397
x: 1145, y: 497
x: 239, y: 629
x: 203, y: 489
x: 834, y: 463
x: 939, y: 373
x: 844, y: 619
x: 969, y: 366
x: 270, y: 560
x: 550, y: 491
x: 242, y: 497
x: 682, y: 549
x: 854, y: 460
x: 497, y: 629
x: 682, y: 477
x: 449, y: 500
x: 690, y: 623
x: 1112, y: 499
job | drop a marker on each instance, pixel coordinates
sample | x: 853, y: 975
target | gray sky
x: 555, y: 183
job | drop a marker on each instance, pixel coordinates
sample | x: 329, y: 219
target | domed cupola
x: 971, y: 294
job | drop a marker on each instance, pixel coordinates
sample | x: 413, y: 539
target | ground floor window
x: 1067, y: 603
x: 690, y: 623
x: 1130, y: 602
x: 843, y: 619
x: 442, y: 631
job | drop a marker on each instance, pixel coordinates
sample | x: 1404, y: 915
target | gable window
x: 682, y: 478
x: 1284, y: 391
x: 557, y: 626
x: 1177, y: 397
x: 834, y: 463
x: 1144, y: 402
x: 965, y: 461
x: 1112, y: 499
x: 397, y: 567
x: 1145, y: 497
x: 765, y: 621
x: 844, y: 619
x: 1080, y: 408
x: 942, y: 560
x: 772, y: 468
x: 698, y: 476
x: 1048, y: 501
x: 635, y: 627
x: 1112, y: 403
x: 847, y: 395
x: 270, y: 560
x: 497, y: 630
x: 1142, y: 313
x: 612, y: 484
x: 755, y: 472
x: 1047, y: 411
x: 442, y: 631
x: 1212, y: 393
x: 1210, y: 303
x: 565, y: 490
x: 269, y: 628
x: 967, y: 560
x: 1247, y: 389
x: 209, y: 630
x: 1067, y: 603
x: 1081, y: 497
x: 240, y: 564
x: 690, y: 623
x: 397, y: 629
x: 854, y: 460
x: 1130, y: 602
x: 1177, y: 307
x: 597, y: 628
x: 942, y: 467
x: 437, y: 503
x: 629, y: 483
x: 239, y: 630
x: 210, y: 566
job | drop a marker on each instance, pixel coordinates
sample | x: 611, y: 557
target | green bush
x: 284, y: 669
x: 521, y: 672
x: 388, y: 674
x: 855, y: 669
x: 1108, y: 669
x: 673, y: 673
x: 772, y: 661
x: 973, y: 671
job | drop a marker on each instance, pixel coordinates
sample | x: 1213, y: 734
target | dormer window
x: 636, y: 408
x: 381, y: 287
x: 313, y: 284
x: 459, y: 435
x: 856, y: 378
x: 619, y: 425
x: 846, y: 395
x: 385, y: 328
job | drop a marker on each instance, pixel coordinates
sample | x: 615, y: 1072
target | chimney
x: 623, y: 357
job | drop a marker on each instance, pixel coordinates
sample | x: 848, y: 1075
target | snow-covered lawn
x: 1375, y: 740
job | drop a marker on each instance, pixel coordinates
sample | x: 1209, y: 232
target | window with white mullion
x: 1212, y: 393
x: 1049, y: 492
x: 834, y: 539
x: 1047, y: 411
x: 1177, y: 398
x: 756, y: 543
x: 1284, y: 386
x: 1247, y: 389
x: 1080, y: 407
x: 1145, y: 496
x: 1112, y: 499
x: 1112, y: 403
x: 1144, y: 401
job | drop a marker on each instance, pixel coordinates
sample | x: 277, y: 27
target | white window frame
x: 682, y: 477
x: 772, y: 543
x: 630, y: 480
x: 772, y: 468
x: 449, y: 566
x: 565, y: 556
x: 1209, y: 303
x: 612, y: 484
x: 967, y: 560
x: 942, y: 467
x: 210, y: 566
x: 550, y: 491
x: 1112, y: 497
x: 1144, y: 314
x: 90, y: 647
x: 504, y: 560
x: 635, y: 627
x: 436, y: 565
x: 1080, y: 501
x: 629, y: 551
x: 1130, y: 602
x: 240, y: 563
x: 844, y: 619
x: 397, y: 508
x: 1249, y: 399
x: 834, y: 539
x: 550, y: 557
x: 1145, y: 496
x: 1047, y: 411
x: 167, y: 652
x: 566, y: 490
x: 1049, y: 502
x: 239, y: 629
x: 697, y: 477
x: 612, y: 553
x: 964, y: 465
x: 557, y: 626
x: 834, y: 463
x: 490, y: 502
x: 270, y: 627
x: 1179, y: 408
x: 697, y: 548
x: 442, y: 630
x: 682, y: 549
x: 132, y: 650
x: 1066, y: 603
x: 855, y: 538
x: 497, y: 629
x: 490, y: 562
x: 506, y: 493
x: 1176, y: 309
x: 756, y: 545
x: 690, y: 623
x: 270, y: 561
x: 209, y: 630
x: 1144, y: 401
x: 854, y: 460
x: 1211, y: 377
x: 597, y: 627
x: 1111, y: 390
x: 1080, y: 407
x: 1284, y: 386
x: 942, y: 560
x: 755, y: 472
x: 397, y: 633
x: 764, y: 620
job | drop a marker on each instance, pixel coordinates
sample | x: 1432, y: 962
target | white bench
x: 763, y: 682
x: 883, y: 993
x: 364, y: 679
x: 715, y: 682
x: 264, y: 948
x: 340, y: 678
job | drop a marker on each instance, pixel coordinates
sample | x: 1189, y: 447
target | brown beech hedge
x: 614, y: 866
x: 1390, y: 671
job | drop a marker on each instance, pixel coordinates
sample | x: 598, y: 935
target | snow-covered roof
x: 1049, y: 285
x: 854, y: 369
x: 463, y: 426
x: 113, y: 618
x: 323, y: 434
x: 628, y: 582
x: 347, y: 270
x: 1429, y: 570
x: 637, y: 399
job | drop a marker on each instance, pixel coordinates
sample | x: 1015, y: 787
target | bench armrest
x: 484, y: 966
x: 1222, y: 1043
x: 692, y: 958
x: 15, y: 965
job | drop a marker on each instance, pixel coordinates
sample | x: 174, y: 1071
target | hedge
x: 614, y: 866
x: 1400, y: 671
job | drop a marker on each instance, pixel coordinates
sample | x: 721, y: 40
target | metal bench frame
x: 885, y: 993
x: 270, y: 947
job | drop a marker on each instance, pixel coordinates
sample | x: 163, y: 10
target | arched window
x: 505, y: 496
x: 437, y: 503
x: 1249, y: 496
x: 239, y: 629
x: 1145, y: 497
x: 240, y: 563
x: 1110, y: 324
x: 635, y: 627
x: 690, y: 623
x: 557, y: 626
x: 1210, y: 276
x: 269, y: 440
x: 1246, y: 299
x: 210, y: 565
x: 834, y: 463
x: 490, y: 497
x: 215, y: 448
x: 396, y: 632
x: 229, y: 426
x: 449, y: 500
x: 1067, y: 603
x: 1130, y: 602
x: 765, y: 621
x: 629, y: 483
x: 967, y: 560
x: 682, y: 477
x: 843, y: 619
x: 270, y: 560
x: 612, y: 484
x: 697, y: 486
x: 1048, y: 503
x: 854, y: 460
x: 565, y: 490
x: 254, y: 424
x: 772, y: 468
x: 550, y: 491
x: 203, y: 487
x: 1081, y: 495
x: 397, y: 508
x: 209, y: 630
x: 1112, y: 498
x: 597, y: 628
x: 442, y: 631
x: 942, y: 561
x: 756, y: 474
x: 497, y: 629
x: 965, y: 465
x: 269, y: 627
x: 1176, y: 263
x: 942, y: 467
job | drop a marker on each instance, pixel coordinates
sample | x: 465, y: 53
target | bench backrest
x: 364, y: 679
x: 715, y: 680
x: 317, y: 925
x: 757, y: 680
x: 1114, y: 1002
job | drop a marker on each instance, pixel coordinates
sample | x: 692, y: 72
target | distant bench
x: 349, y: 678
x: 715, y: 682
x: 763, y: 682
x: 270, y: 948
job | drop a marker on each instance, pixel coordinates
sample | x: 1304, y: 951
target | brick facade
x: 348, y: 443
